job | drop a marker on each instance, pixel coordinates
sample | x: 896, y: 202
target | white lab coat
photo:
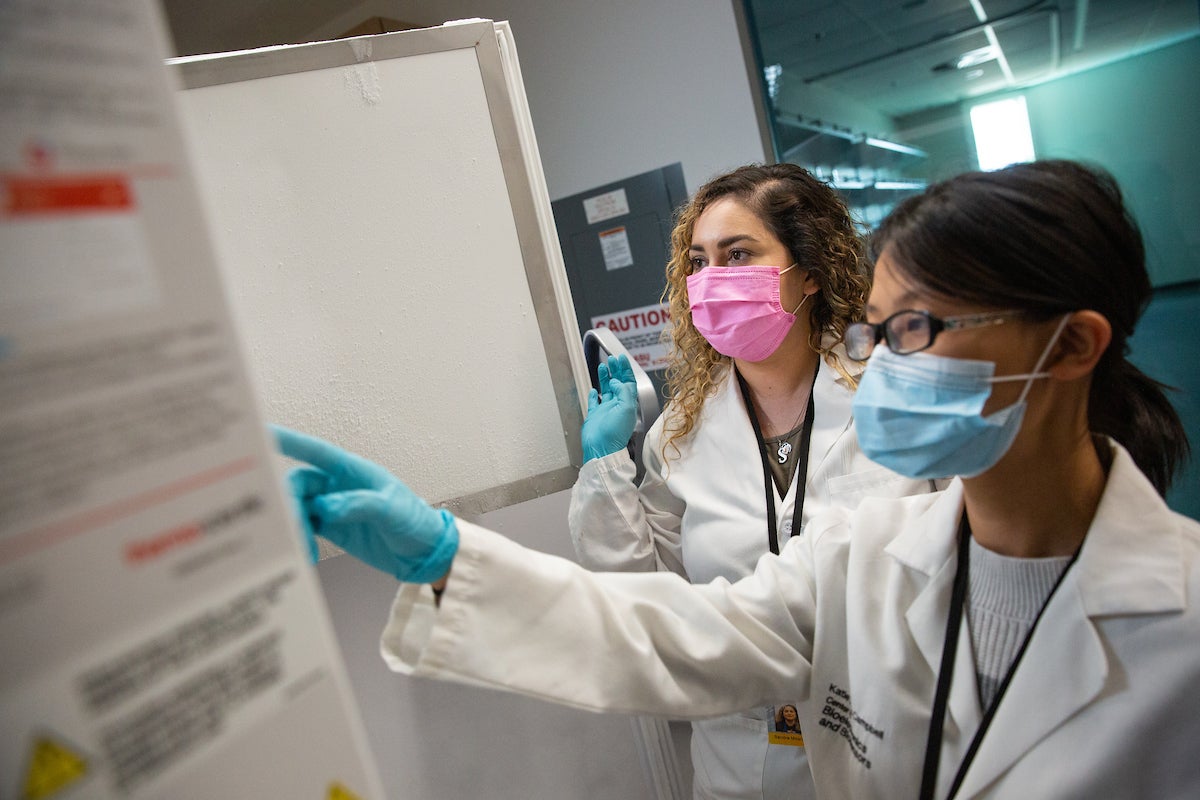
x: 702, y: 514
x: 851, y: 619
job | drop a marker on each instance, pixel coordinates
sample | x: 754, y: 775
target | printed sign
x: 164, y: 634
x: 614, y: 244
x: 643, y: 331
x: 609, y: 205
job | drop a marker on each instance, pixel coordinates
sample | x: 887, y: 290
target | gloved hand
x: 612, y: 412
x: 363, y: 509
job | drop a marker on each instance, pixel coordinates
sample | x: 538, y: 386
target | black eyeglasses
x: 911, y: 331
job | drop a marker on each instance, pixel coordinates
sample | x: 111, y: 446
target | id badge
x: 785, y: 729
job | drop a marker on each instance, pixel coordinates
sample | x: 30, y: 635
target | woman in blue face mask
x: 1030, y: 631
x: 973, y: 316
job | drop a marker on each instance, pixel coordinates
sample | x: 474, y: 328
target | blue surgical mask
x: 921, y: 415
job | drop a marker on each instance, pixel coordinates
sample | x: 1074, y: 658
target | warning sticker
x: 614, y: 244
x: 643, y: 331
x: 52, y: 768
x: 339, y: 792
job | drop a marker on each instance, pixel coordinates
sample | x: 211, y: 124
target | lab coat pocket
x: 850, y: 490
x: 728, y: 755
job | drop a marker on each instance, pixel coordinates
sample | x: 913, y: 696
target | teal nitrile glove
x: 612, y: 412
x: 363, y: 509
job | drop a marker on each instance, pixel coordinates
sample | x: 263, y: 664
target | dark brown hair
x: 812, y: 221
x: 1047, y: 238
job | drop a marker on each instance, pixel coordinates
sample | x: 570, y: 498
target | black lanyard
x: 801, y: 463
x: 933, y: 745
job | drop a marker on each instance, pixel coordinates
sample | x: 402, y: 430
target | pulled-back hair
x: 813, y: 223
x: 1047, y: 238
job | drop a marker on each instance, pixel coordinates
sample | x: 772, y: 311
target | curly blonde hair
x: 817, y: 229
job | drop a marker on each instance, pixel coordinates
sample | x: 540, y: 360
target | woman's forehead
x: 889, y: 285
x: 892, y: 290
x: 728, y: 210
x: 728, y: 216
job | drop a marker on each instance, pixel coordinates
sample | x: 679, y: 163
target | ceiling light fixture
x: 990, y: 33
x: 973, y: 58
x: 894, y: 146
x: 900, y: 185
x: 1021, y: 16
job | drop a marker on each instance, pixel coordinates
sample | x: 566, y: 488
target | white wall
x: 616, y: 87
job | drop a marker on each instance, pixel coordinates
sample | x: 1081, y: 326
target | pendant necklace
x: 785, y: 447
x: 801, y: 463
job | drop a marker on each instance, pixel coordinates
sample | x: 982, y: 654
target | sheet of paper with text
x: 163, y: 632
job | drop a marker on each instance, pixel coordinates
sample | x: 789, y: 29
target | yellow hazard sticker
x: 339, y: 792
x: 52, y: 768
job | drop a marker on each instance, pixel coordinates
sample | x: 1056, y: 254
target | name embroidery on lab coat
x: 839, y: 716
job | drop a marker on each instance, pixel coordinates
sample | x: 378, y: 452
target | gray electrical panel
x: 616, y: 240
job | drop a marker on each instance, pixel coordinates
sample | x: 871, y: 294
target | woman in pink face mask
x: 767, y: 270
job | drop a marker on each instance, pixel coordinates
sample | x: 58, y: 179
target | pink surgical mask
x: 737, y: 310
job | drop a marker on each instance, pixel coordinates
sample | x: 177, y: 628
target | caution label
x: 339, y: 792
x: 52, y: 768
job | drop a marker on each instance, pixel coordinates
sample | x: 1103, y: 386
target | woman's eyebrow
x: 722, y: 243
x: 902, y: 302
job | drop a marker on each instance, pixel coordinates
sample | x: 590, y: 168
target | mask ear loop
x: 797, y: 308
x: 1030, y: 377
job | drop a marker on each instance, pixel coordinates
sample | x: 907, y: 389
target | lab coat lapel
x: 832, y: 397
x: 743, y: 471
x: 926, y: 617
x: 928, y: 546
x: 1063, y: 670
x: 1066, y: 665
x: 728, y: 408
